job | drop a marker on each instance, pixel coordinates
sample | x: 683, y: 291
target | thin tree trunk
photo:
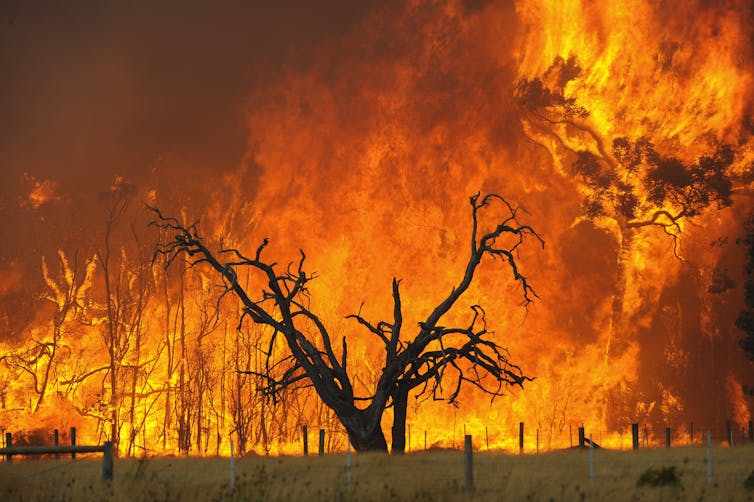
x: 169, y: 367
x: 616, y: 341
x: 183, y: 429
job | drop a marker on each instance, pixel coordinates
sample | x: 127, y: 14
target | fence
x: 530, y: 440
x: 106, y: 449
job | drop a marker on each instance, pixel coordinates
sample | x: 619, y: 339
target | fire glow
x: 364, y: 157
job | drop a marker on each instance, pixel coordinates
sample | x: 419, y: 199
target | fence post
x: 8, y: 444
x: 107, y: 462
x: 469, y: 466
x: 691, y: 433
x: 321, y: 442
x: 751, y: 431
x: 73, y: 441
x: 520, y: 437
x: 667, y: 437
x: 635, y: 436
x: 306, y: 440
x: 729, y: 431
x: 591, y: 459
x: 232, y: 467
x: 57, y: 441
x: 581, y: 437
x: 348, y: 461
x: 709, y: 458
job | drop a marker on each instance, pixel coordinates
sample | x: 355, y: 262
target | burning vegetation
x: 621, y: 132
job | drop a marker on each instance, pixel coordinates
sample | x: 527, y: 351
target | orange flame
x: 363, y: 156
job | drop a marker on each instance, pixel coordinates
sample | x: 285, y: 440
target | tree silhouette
x: 436, y: 353
x: 628, y: 183
x: 745, y: 320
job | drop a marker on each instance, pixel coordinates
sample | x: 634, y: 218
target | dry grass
x: 438, y: 475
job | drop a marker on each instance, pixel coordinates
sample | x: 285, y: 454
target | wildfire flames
x: 363, y: 152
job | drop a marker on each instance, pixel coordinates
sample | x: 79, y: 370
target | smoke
x: 91, y: 90
x: 356, y: 130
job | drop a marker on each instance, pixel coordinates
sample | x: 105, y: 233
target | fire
x: 364, y: 158
x: 40, y: 193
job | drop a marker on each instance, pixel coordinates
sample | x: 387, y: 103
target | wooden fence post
x: 581, y: 437
x: 751, y: 431
x: 691, y: 433
x: 8, y: 444
x: 56, y: 437
x: 520, y: 437
x: 729, y: 432
x: 321, y: 442
x: 73, y: 441
x: 469, y: 464
x: 667, y: 437
x: 107, y: 462
x: 591, y: 459
x: 635, y: 436
x: 306, y: 440
x: 348, y: 461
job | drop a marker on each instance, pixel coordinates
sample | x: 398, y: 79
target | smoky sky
x: 90, y: 90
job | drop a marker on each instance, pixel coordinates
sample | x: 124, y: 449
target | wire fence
x: 513, y: 438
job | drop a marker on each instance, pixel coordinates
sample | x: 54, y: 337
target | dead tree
x: 434, y: 354
x: 68, y: 291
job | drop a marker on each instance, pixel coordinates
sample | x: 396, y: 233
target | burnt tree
x: 745, y: 319
x: 627, y: 182
x: 433, y: 354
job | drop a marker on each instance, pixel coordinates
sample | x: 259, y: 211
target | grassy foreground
x: 439, y: 475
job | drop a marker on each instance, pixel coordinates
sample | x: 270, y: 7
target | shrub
x: 749, y: 482
x: 659, y: 477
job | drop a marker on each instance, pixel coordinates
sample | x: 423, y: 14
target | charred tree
x: 435, y: 353
x: 745, y: 320
x: 68, y: 291
x: 627, y: 182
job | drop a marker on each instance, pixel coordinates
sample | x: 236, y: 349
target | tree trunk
x: 616, y: 405
x: 617, y: 342
x: 364, y: 431
x: 400, y: 407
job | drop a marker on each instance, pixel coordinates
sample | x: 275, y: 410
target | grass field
x: 436, y: 475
